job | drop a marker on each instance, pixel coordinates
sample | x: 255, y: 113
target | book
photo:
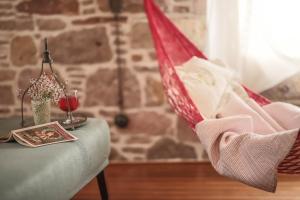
x: 39, y: 135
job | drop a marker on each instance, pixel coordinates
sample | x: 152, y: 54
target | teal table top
x: 56, y: 171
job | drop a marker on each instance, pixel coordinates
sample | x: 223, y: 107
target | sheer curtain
x: 259, y: 39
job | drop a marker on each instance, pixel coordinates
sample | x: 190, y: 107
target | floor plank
x: 188, y: 181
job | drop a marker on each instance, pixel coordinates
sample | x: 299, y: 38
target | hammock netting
x: 174, y: 49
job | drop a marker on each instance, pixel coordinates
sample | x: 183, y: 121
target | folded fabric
x: 244, y: 141
x: 208, y: 84
x: 205, y: 82
x: 247, y: 142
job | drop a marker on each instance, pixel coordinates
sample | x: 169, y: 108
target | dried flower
x: 45, y: 88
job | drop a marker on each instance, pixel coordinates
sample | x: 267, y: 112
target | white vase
x: 41, y: 111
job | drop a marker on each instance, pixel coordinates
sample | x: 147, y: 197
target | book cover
x: 40, y: 135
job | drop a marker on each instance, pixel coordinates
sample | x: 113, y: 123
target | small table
x: 55, y: 171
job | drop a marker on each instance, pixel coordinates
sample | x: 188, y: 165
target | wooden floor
x: 182, y: 182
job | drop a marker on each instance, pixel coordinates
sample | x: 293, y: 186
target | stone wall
x: 81, y: 36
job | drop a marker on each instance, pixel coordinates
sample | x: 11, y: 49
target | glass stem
x: 70, y: 117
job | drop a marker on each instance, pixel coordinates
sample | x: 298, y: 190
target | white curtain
x: 259, y: 39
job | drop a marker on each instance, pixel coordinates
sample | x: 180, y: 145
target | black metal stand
x: 102, y: 185
x: 46, y: 60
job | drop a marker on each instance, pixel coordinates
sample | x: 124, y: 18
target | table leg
x: 102, y: 185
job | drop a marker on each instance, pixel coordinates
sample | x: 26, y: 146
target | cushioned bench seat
x: 55, y: 171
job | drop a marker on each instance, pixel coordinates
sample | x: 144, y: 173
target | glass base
x: 69, y: 121
x: 78, y: 121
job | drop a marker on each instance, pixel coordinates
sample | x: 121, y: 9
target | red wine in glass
x: 68, y: 104
x: 73, y: 102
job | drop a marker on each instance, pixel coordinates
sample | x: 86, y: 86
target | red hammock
x: 174, y: 49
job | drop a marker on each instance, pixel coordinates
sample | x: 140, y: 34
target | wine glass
x: 68, y: 103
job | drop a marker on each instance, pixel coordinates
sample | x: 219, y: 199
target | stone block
x: 131, y: 6
x: 154, y: 92
x: 7, y: 75
x: 7, y: 95
x: 50, y: 24
x: 167, y: 148
x: 140, y: 36
x: 82, y: 46
x: 23, y: 51
x: 49, y: 7
x: 101, y: 89
x: 17, y: 25
x: 149, y: 123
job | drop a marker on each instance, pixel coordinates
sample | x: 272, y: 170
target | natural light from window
x: 275, y: 24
